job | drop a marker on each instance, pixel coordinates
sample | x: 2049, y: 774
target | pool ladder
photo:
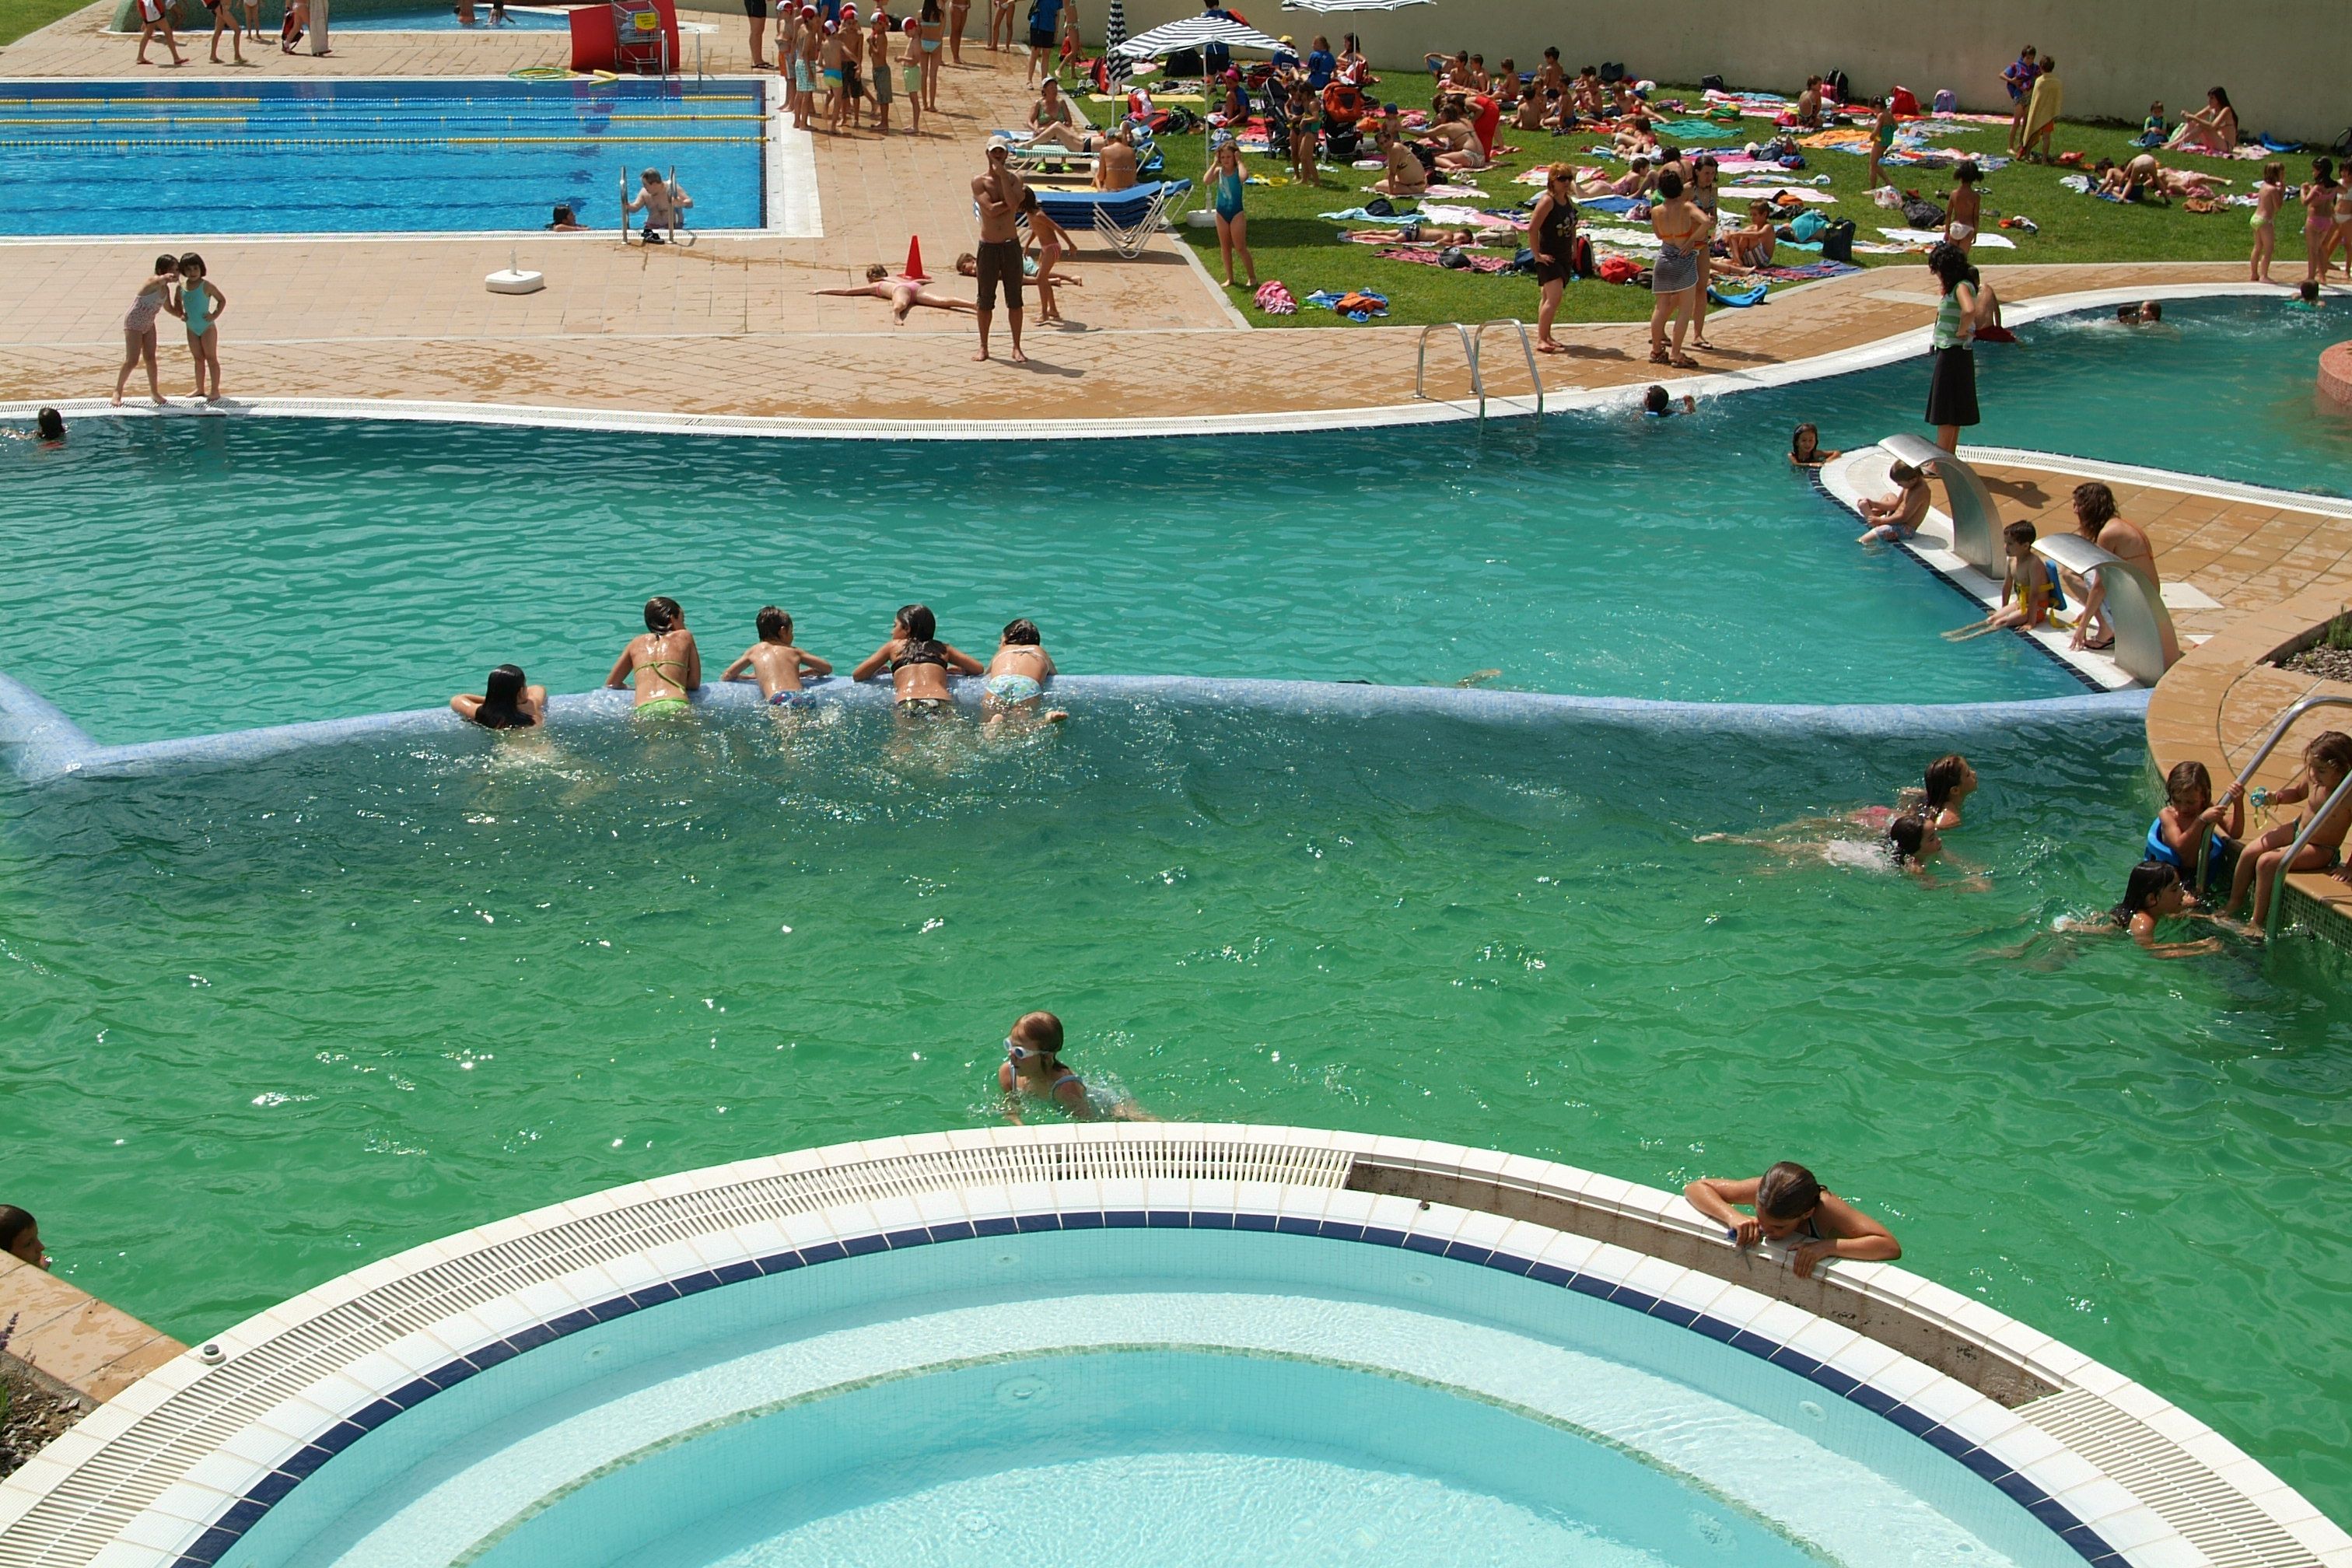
x: 2311, y: 825
x: 1473, y: 340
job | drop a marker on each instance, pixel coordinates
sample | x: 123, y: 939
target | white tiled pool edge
x: 173, y: 1470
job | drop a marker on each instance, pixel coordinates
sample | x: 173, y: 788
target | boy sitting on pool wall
x: 1791, y: 1205
x: 1896, y: 516
x: 775, y: 663
x: 2024, y: 589
x: 1017, y: 675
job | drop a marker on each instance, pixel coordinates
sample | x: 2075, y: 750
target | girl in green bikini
x: 664, y: 661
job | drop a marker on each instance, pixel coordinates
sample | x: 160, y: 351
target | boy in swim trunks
x: 775, y: 663
x: 1897, y: 516
x: 911, y: 74
x: 1017, y: 675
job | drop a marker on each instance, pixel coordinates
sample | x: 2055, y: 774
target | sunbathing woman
x: 918, y: 663
x: 1407, y: 176
x: 904, y: 293
x: 2212, y: 129
x: 664, y: 661
x: 1460, y: 150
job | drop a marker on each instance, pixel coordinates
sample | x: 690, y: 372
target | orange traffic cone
x: 915, y: 259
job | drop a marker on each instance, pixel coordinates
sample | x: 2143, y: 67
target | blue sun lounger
x: 1127, y: 218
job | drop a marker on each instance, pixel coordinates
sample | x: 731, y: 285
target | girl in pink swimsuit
x: 139, y: 327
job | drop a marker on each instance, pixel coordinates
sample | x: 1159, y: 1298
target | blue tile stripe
x: 249, y: 1510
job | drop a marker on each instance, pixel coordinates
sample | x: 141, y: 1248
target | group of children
x: 178, y: 286
x: 664, y: 666
x: 850, y: 64
x: 2196, y: 846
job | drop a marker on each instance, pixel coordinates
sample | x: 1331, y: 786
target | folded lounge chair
x: 1127, y: 218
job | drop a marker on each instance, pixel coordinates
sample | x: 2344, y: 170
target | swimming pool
x: 436, y: 19
x: 413, y: 156
x: 1164, y: 1343
x: 330, y: 556
x: 356, y: 997
x: 1202, y: 1397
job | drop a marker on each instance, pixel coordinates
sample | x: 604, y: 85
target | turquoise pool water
x: 1122, y: 1396
x: 353, y: 999
x: 417, y: 156
x: 2226, y: 387
x: 297, y: 569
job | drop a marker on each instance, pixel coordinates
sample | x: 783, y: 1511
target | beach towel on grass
x: 1694, y: 130
x: 1610, y: 204
x: 1459, y: 192
x: 1932, y: 236
x: 1810, y: 270
x: 1471, y: 218
x: 1737, y: 296
x: 1275, y: 299
x: 1766, y: 193
x: 1356, y: 304
x: 1358, y: 214
x: 1423, y: 256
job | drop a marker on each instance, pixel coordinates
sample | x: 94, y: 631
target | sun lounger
x: 1127, y: 218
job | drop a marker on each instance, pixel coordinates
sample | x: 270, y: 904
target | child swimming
x: 1949, y: 783
x: 1805, y: 449
x: 662, y: 660
x: 775, y: 663
x: 1017, y: 675
x: 2325, y: 763
x: 2155, y: 893
x: 1791, y: 1205
x: 1032, y: 1068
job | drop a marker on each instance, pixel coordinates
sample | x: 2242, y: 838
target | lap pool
x: 415, y: 155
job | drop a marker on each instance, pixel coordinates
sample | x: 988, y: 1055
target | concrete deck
x: 73, y: 1339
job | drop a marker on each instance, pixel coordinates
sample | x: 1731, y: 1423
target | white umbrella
x: 1349, y: 5
x: 1191, y: 33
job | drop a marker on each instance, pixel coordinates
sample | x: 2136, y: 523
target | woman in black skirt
x: 1952, y: 385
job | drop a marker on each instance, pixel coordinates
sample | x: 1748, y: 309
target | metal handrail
x: 1469, y: 352
x: 2278, y: 889
x: 2278, y: 730
x: 1526, y: 346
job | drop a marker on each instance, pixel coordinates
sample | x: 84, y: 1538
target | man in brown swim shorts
x: 997, y: 194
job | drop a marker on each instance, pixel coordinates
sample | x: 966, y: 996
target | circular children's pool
x: 1167, y: 1344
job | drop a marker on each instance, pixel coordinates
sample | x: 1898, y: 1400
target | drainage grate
x: 84, y: 1513
x: 2213, y: 1515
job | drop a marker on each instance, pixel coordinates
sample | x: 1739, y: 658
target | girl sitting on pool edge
x: 1791, y: 1205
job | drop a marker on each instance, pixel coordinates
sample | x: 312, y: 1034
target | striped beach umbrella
x: 1194, y: 32
x: 1114, y: 35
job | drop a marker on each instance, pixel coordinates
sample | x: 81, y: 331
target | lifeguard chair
x: 638, y: 36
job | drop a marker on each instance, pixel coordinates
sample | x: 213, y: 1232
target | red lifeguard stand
x: 635, y: 37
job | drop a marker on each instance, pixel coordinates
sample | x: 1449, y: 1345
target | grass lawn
x: 18, y: 17
x: 1305, y: 251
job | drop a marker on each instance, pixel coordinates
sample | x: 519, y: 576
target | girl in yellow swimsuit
x: 664, y: 661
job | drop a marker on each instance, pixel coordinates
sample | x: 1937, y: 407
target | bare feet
x: 980, y: 355
x: 116, y: 400
x: 1017, y: 357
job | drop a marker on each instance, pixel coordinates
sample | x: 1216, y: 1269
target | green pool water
x: 265, y: 1024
